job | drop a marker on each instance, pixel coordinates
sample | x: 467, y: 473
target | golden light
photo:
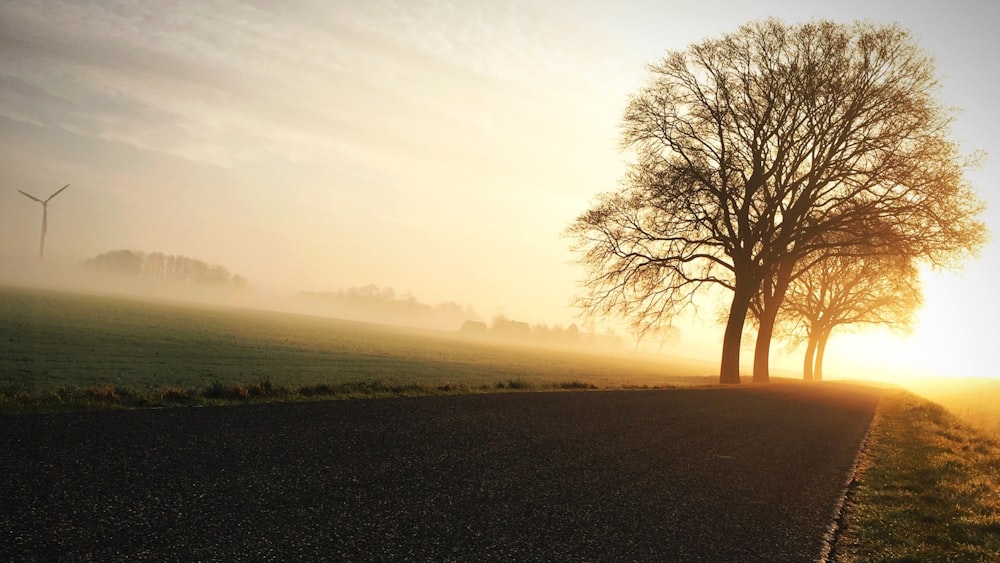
x: 948, y: 340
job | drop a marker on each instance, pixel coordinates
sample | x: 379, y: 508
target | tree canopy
x: 846, y: 290
x: 755, y: 151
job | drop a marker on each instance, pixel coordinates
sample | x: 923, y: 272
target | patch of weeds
x: 409, y: 389
x: 102, y: 394
x: 176, y: 395
x: 450, y: 388
x: 263, y: 388
x: 365, y: 388
x: 369, y: 387
x: 514, y: 384
x: 12, y: 391
x: 14, y: 398
x: 575, y: 384
x: 317, y: 390
x: 61, y: 393
x: 219, y: 390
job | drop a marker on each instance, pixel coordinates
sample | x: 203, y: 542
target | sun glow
x: 949, y: 339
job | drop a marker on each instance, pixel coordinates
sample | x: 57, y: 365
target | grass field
x: 56, y: 342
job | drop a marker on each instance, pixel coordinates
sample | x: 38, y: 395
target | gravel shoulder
x: 720, y: 474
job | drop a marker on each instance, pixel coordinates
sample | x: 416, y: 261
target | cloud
x: 229, y: 83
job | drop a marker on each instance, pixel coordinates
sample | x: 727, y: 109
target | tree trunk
x: 807, y: 364
x: 729, y: 371
x: 768, y: 315
x: 762, y: 348
x: 820, y: 348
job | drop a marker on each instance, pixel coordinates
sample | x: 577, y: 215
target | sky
x: 438, y: 148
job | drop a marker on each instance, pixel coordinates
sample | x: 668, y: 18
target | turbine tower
x: 45, y: 214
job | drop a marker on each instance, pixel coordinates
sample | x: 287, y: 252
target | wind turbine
x: 45, y: 214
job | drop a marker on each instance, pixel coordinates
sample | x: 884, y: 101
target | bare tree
x: 750, y: 149
x: 844, y: 290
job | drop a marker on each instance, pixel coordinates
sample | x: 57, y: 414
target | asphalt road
x: 731, y: 474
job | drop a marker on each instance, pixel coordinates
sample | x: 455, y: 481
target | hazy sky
x: 435, y: 147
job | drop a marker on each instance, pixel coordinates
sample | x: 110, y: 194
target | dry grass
x: 974, y: 400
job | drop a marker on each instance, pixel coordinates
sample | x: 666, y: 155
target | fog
x: 435, y: 150
x: 189, y: 281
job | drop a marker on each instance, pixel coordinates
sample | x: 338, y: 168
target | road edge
x: 833, y: 529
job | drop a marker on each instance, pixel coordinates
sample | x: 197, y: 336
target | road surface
x: 717, y: 474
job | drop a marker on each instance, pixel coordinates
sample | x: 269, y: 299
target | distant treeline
x: 502, y: 327
x: 371, y: 303
x: 160, y: 267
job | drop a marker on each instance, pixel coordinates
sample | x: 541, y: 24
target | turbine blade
x: 57, y: 192
x: 31, y: 196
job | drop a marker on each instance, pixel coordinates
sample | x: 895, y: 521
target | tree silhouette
x: 156, y: 266
x: 751, y: 150
x: 372, y: 303
x: 841, y: 290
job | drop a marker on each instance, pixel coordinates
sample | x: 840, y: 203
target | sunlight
x: 949, y: 338
x: 952, y: 335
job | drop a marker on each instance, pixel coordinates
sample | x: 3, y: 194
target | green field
x: 52, y: 340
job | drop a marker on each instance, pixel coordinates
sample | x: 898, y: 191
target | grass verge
x: 928, y: 489
x: 15, y: 400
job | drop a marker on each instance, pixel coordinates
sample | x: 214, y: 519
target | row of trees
x: 371, y: 303
x: 808, y: 170
x: 160, y: 267
x: 844, y: 290
x: 502, y: 327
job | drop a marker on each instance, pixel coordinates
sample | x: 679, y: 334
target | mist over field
x: 435, y: 151
x: 156, y: 277
x: 76, y: 276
